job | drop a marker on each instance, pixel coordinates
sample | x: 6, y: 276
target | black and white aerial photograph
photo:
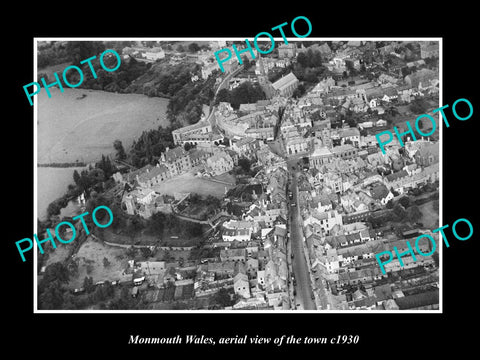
x: 213, y: 180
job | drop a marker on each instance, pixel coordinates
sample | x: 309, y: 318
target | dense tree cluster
x: 310, y: 58
x: 52, y: 286
x: 245, y: 167
x: 118, y: 146
x: 225, y: 297
x: 84, y: 181
x: 208, y: 200
x: 193, y: 47
x: 164, y: 79
x: 76, y: 51
x: 91, y: 176
x: 299, y: 91
x: 115, y: 81
x: 397, y: 213
x: 185, y: 106
x: 58, y: 52
x: 308, y: 67
x: 209, y: 204
x: 419, y: 106
x: 55, y: 206
x: 54, y: 295
x: 149, y: 146
x: 276, y: 73
x: 245, y: 93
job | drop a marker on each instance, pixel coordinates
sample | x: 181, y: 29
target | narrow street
x: 304, y: 295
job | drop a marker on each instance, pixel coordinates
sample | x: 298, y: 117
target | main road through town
x: 304, y: 294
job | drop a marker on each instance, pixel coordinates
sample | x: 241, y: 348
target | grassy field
x: 429, y: 217
x: 57, y: 255
x: 71, y: 129
x: 188, y: 183
x: 92, y: 253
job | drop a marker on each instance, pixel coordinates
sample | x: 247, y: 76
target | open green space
x: 188, y: 183
x: 73, y: 128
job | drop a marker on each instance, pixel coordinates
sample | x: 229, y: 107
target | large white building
x: 154, y: 54
x: 320, y: 156
x: 185, y: 133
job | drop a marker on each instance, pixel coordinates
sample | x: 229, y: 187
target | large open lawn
x: 189, y: 183
x: 73, y: 128
x: 92, y: 253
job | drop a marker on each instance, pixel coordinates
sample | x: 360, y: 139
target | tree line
x: 96, y: 177
x: 245, y: 93
x: 159, y: 79
x: 53, y: 293
x: 149, y: 146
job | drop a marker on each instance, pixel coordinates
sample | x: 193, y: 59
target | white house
x: 154, y: 54
x: 381, y: 123
x: 350, y: 134
x: 237, y: 234
x: 365, y: 125
x: 241, y: 285
x: 387, y: 198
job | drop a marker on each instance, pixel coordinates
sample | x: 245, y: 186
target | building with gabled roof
x: 237, y: 234
x: 198, y: 156
x: 381, y: 193
x: 234, y: 255
x: 176, y: 160
x: 286, y: 85
x: 422, y: 301
x: 427, y: 154
x: 201, y: 127
x: 221, y: 268
x: 346, y: 151
x: 153, y: 175
x: 287, y: 50
x: 421, y: 79
x: 241, y: 285
x: 350, y: 134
